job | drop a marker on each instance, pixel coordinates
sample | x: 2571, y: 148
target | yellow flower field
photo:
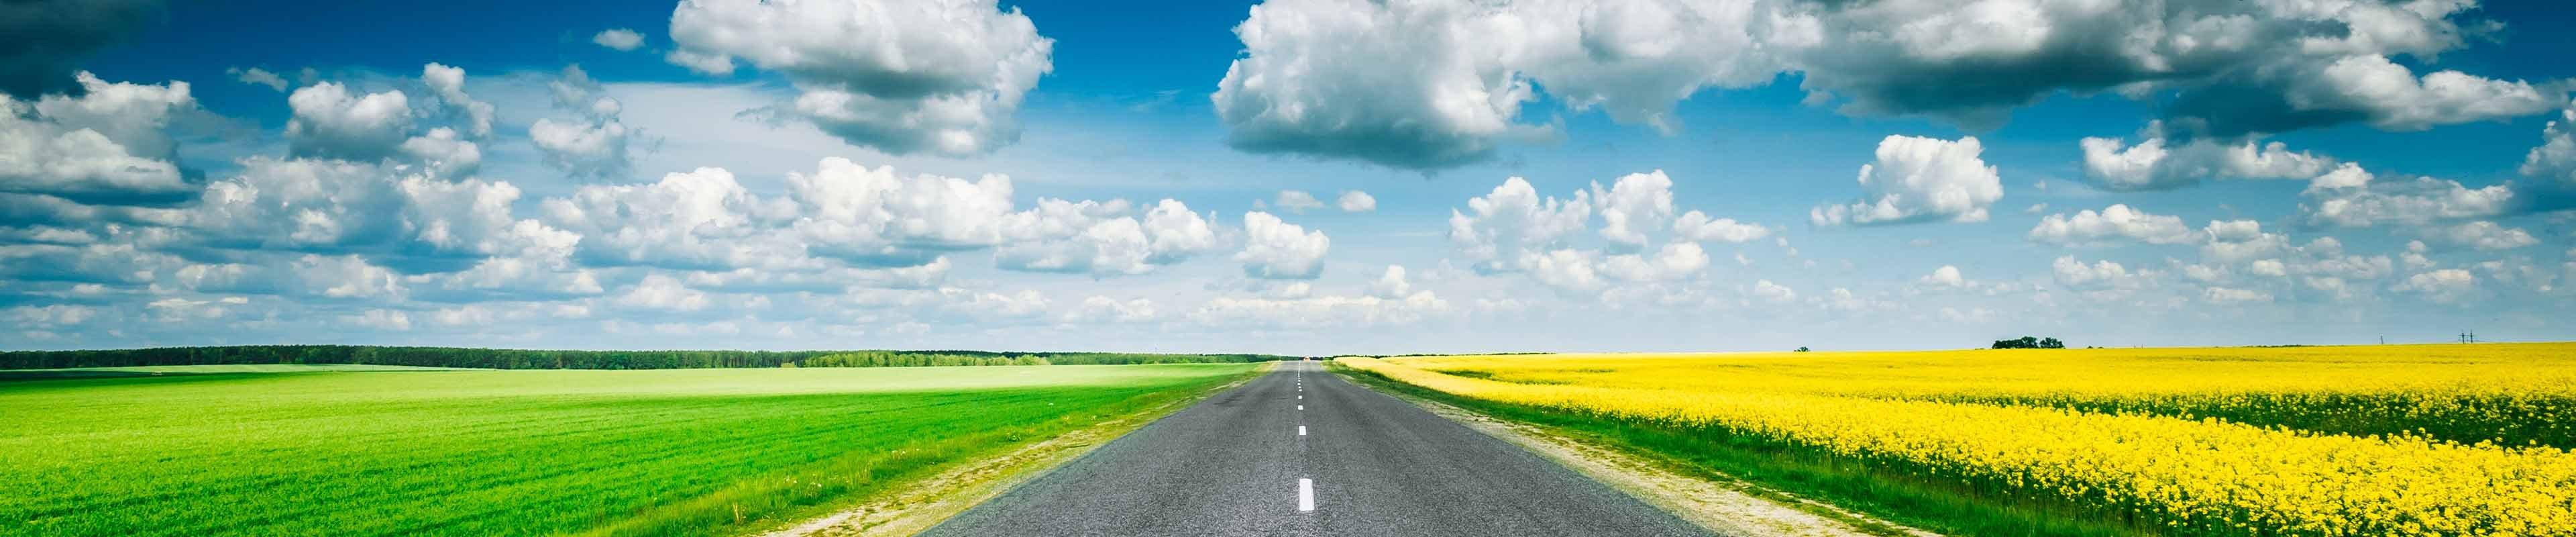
x: 2296, y: 441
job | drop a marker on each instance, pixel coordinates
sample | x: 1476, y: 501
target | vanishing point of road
x: 1302, y: 452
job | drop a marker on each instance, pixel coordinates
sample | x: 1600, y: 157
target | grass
x: 1786, y: 473
x: 653, y: 452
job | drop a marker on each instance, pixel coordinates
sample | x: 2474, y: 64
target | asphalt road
x: 1303, y: 452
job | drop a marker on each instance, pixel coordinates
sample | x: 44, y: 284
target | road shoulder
x: 927, y: 502
x: 1726, y: 508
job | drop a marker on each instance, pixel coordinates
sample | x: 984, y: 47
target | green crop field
x: 701, y: 451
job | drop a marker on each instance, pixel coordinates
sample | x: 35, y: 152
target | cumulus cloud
x: 2447, y: 286
x: 338, y: 206
x: 2103, y: 274
x: 618, y: 39
x: 1501, y: 227
x: 1436, y: 84
x: 595, y: 143
x: 49, y: 38
x: 332, y: 122
x: 444, y: 153
x: 1429, y: 85
x: 1947, y: 276
x: 1919, y: 180
x: 700, y: 219
x: 1514, y: 230
x: 2351, y: 197
x: 449, y: 84
x: 2366, y: 88
x: 1391, y: 284
x: 2554, y: 161
x: 108, y: 145
x: 1353, y: 201
x: 1277, y: 250
x: 2114, y: 223
x: 1115, y: 245
x: 944, y: 78
x: 2481, y: 235
x: 1633, y: 205
x: 2152, y: 164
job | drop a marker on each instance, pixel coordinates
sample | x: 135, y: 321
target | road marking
x: 1301, y: 407
x: 1305, y: 494
x: 1301, y: 430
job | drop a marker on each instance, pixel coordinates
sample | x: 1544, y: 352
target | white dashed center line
x: 1301, y: 430
x: 1305, y: 494
x: 1301, y: 407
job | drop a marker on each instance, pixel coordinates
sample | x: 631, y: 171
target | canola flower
x: 2197, y: 476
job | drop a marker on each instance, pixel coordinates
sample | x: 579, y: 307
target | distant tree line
x: 2027, y: 342
x: 559, y: 359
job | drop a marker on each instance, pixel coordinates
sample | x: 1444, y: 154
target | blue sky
x: 1171, y: 176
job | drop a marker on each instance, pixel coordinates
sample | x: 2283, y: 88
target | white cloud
x: 1296, y: 201
x: 618, y: 39
x: 593, y: 145
x: 449, y: 84
x: 597, y: 149
x: 257, y: 77
x: 899, y: 77
x: 2103, y: 274
x: 330, y: 121
x: 873, y: 216
x: 443, y: 153
x: 1766, y: 290
x: 1273, y: 249
x: 1353, y: 201
x: 1435, y: 84
x: 1633, y: 205
x: 2350, y: 197
x: 1103, y: 309
x: 106, y: 146
x: 380, y: 319
x: 1947, y: 277
x: 1697, y: 226
x: 2152, y: 165
x: 1391, y: 284
x: 2448, y: 286
x: 701, y: 219
x: 1512, y: 221
x: 1919, y: 180
x: 2226, y: 295
x: 2482, y: 235
x: 2554, y: 160
x: 661, y: 292
x: 2117, y: 222
x: 2391, y: 97
x: 1175, y: 234
x: 1673, y: 262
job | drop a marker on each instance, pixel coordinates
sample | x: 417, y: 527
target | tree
x: 1802, y: 349
x: 2028, y: 342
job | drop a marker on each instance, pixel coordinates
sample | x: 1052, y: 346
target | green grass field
x: 651, y: 452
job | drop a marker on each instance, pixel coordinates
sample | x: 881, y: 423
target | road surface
x: 1303, y: 452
